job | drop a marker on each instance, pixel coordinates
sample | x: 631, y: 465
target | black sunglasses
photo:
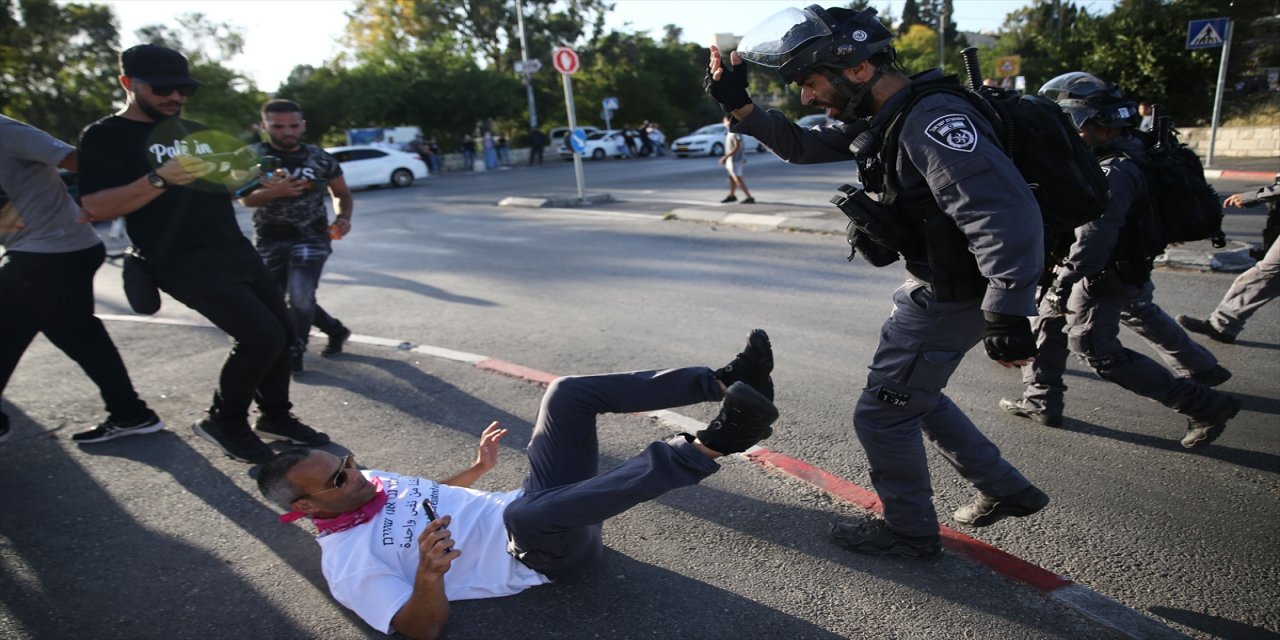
x: 339, y: 478
x: 163, y: 90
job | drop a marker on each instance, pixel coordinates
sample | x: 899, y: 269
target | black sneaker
x: 295, y: 362
x: 1023, y: 409
x: 987, y: 510
x: 1204, y: 430
x: 729, y: 199
x: 1204, y: 327
x: 336, y: 340
x: 876, y: 538
x: 748, y: 201
x: 745, y: 416
x: 112, y: 429
x: 752, y: 366
x: 234, y: 438
x: 288, y: 428
x: 1212, y: 377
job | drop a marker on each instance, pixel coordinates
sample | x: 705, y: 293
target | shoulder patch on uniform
x: 954, y: 131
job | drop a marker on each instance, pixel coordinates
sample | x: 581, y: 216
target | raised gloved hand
x: 1007, y: 338
x: 731, y: 89
x: 1056, y: 296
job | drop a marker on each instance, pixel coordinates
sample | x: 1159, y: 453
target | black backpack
x: 1038, y: 136
x: 1185, y: 205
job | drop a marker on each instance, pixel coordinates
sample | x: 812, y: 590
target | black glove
x: 1056, y: 295
x: 1008, y: 338
x: 731, y: 89
x: 877, y: 254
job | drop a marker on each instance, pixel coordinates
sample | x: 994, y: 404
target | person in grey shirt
x: 1105, y: 281
x: 974, y: 252
x: 47, y: 262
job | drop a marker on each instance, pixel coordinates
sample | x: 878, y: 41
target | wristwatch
x: 156, y: 181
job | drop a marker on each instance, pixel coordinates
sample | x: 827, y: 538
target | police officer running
x: 1105, y: 280
x: 945, y: 197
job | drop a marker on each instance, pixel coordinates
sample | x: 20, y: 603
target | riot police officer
x: 1105, y: 280
x: 941, y: 194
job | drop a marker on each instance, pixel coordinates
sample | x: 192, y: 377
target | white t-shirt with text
x: 370, y: 568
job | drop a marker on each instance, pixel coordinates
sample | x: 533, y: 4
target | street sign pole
x: 1217, y: 98
x: 573, y: 126
x: 528, y: 77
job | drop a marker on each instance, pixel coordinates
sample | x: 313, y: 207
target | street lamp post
x: 525, y: 71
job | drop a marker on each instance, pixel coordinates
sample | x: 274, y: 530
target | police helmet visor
x: 1078, y: 111
x: 772, y: 42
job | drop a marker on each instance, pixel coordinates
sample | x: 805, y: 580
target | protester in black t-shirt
x: 149, y: 164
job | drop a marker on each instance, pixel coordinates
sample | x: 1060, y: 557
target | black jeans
x: 253, y: 314
x: 296, y: 264
x: 52, y: 293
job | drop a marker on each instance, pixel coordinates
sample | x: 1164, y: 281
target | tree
x: 57, y: 64
x: 1144, y: 51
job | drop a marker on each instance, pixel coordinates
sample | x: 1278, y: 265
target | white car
x: 709, y: 141
x: 815, y: 120
x: 600, y: 145
x: 558, y: 134
x: 369, y: 166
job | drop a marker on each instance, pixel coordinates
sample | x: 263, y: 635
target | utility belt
x: 935, y: 250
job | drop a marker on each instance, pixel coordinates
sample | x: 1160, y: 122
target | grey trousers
x: 921, y: 344
x: 1253, y: 289
x: 1091, y: 330
x: 1043, y: 377
x: 555, y: 527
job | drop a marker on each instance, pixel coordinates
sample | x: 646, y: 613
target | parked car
x: 815, y: 120
x: 709, y: 141
x: 370, y: 166
x: 558, y: 135
x: 600, y: 145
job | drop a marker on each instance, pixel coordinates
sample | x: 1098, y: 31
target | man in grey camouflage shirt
x: 291, y: 223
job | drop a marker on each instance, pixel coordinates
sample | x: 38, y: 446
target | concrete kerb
x: 554, y: 201
x: 1114, y: 618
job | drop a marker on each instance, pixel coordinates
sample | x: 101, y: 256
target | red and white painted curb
x: 1233, y: 174
x: 1116, y: 618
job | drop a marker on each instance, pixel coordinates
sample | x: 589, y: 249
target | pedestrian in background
x: 490, y: 151
x: 144, y: 164
x: 47, y: 262
x: 735, y: 162
x: 537, y: 142
x: 468, y: 150
x: 431, y: 153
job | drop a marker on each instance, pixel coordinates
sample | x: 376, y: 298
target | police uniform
x: 947, y: 162
x: 1110, y: 286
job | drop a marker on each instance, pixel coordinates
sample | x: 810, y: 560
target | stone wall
x: 1235, y: 142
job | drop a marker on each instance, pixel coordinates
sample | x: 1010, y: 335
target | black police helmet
x: 1088, y: 98
x: 796, y: 42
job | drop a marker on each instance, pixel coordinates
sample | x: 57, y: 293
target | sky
x: 280, y: 34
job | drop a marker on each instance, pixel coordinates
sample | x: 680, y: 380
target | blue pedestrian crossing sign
x: 578, y: 140
x: 1206, y: 34
x: 611, y: 104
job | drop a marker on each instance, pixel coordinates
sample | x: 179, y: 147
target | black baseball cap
x: 156, y: 65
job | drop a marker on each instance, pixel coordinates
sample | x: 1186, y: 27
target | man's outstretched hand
x: 487, y: 456
x: 728, y: 86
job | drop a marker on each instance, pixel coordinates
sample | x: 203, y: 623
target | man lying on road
x: 389, y: 556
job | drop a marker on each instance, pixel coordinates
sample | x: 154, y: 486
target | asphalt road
x: 159, y: 537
